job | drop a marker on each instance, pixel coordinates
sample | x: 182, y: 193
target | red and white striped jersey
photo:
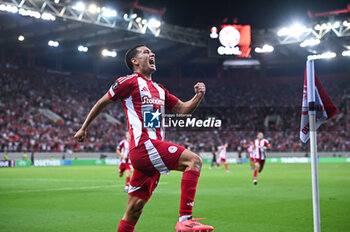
x: 250, y: 149
x: 222, y: 150
x: 123, y: 147
x: 139, y: 95
x: 260, y: 151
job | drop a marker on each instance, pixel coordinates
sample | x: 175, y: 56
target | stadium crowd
x: 243, y: 110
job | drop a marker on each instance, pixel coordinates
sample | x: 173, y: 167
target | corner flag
x: 324, y: 107
x: 316, y: 109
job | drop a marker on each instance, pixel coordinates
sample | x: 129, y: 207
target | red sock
x: 126, y: 226
x: 188, y: 191
x: 127, y: 182
x: 255, y: 174
x: 226, y: 166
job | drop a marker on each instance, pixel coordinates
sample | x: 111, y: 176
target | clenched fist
x: 199, y: 88
x: 80, y: 135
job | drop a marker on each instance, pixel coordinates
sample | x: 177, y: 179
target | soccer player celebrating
x: 144, y: 103
x: 260, y: 146
x: 125, y: 165
x: 222, y: 156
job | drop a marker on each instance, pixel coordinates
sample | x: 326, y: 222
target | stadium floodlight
x: 133, y: 16
x: 283, y: 32
x: 52, y: 43
x: 30, y: 13
x: 336, y: 25
x: 57, y: 1
x: 296, y: 30
x: 265, y: 49
x: 80, y: 6
x: 154, y: 23
x: 144, y: 21
x: 346, y: 53
x: 346, y: 24
x: 258, y: 50
x: 326, y: 55
x: 268, y: 48
x: 82, y: 48
x: 138, y: 20
x: 93, y: 9
x: 107, y: 12
x: 8, y: 8
x: 106, y: 52
x: 126, y: 16
x: 310, y: 43
x: 21, y: 38
x: 323, y: 27
x: 48, y: 16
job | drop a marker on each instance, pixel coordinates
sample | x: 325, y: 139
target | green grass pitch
x: 91, y: 198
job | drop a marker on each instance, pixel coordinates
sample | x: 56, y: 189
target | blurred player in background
x: 239, y: 151
x: 214, y: 153
x: 188, y: 145
x: 250, y: 150
x: 260, y: 147
x: 222, y: 156
x: 144, y: 103
x: 125, y: 164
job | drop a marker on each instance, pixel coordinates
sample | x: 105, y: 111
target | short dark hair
x: 131, y: 53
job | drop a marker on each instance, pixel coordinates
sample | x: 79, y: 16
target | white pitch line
x: 57, y: 180
x: 66, y: 189
x: 61, y: 189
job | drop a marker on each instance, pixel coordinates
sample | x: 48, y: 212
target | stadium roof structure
x: 101, y: 27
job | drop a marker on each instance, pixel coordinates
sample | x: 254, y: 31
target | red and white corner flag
x: 324, y: 107
x: 317, y: 107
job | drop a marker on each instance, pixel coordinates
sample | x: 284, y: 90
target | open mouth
x: 152, y: 61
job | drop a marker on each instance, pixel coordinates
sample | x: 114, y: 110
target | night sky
x: 259, y: 14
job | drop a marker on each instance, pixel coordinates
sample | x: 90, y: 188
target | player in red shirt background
x: 222, y: 156
x: 125, y: 164
x: 250, y: 149
x: 144, y: 103
x: 260, y: 145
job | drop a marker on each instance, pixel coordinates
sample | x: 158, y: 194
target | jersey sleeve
x: 170, y: 100
x: 267, y: 144
x: 120, y: 89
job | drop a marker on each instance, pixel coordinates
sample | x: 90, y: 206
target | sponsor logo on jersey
x: 152, y: 101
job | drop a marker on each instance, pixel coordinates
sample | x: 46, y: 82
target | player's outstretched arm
x: 191, y: 105
x: 94, y: 112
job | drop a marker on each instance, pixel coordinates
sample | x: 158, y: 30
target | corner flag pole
x: 310, y: 74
